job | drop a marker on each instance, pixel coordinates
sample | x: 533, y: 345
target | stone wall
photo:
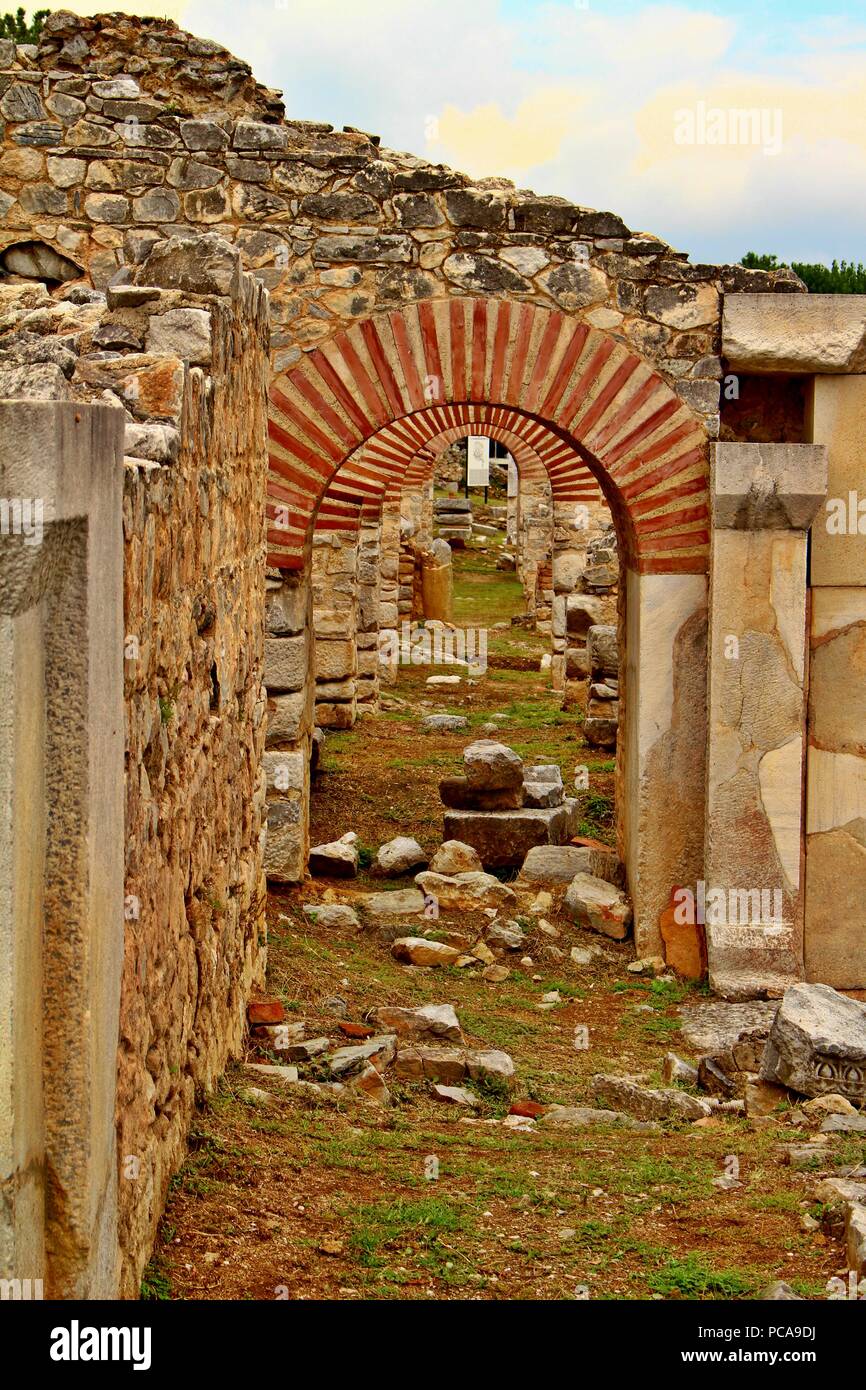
x: 120, y: 131
x: 194, y: 581
x: 185, y: 373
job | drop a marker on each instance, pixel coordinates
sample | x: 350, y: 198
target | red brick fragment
x: 531, y: 1109
x: 266, y: 1011
x: 356, y: 1030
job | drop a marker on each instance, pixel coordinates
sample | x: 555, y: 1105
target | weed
x: 691, y: 1277
x: 156, y: 1281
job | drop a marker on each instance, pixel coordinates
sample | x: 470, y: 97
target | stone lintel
x: 767, y: 487
x: 813, y: 334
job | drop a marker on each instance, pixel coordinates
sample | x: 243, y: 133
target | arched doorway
x: 349, y: 420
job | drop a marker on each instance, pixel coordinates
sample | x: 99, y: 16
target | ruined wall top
x: 121, y: 132
x: 168, y: 64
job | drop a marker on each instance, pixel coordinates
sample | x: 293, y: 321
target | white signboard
x: 478, y: 460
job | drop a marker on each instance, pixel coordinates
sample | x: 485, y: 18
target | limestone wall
x: 184, y: 373
x: 194, y: 599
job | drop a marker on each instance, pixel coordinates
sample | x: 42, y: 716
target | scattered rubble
x: 338, y: 859
x: 593, y: 903
x: 399, y: 856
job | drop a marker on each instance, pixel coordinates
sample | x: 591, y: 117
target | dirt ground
x: 317, y: 1199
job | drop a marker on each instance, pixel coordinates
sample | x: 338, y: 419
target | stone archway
x: 398, y: 377
x: 350, y: 419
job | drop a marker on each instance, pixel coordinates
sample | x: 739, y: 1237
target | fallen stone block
x: 427, y: 1021
x: 287, y: 1074
x: 444, y: 1064
x: 844, y: 1124
x: 541, y: 794
x: 337, y: 859
x: 453, y: 857
x: 417, y: 950
x: 495, y: 974
x: 647, y: 1103
x: 763, y: 1098
x: 587, y: 1117
x: 348, y: 1060
x: 840, y: 1190
x: 490, y: 1064
x: 459, y: 794
x: 456, y: 1095
x: 718, y: 1026
x: 444, y: 723
x: 504, y: 838
x: 331, y: 914
x: 817, y: 1043
x: 492, y: 766
x: 675, y: 1069
x: 403, y: 902
x: 804, y: 1157
x: 593, y: 903
x: 506, y: 934
x: 306, y: 1051
x: 368, y: 1083
x: 468, y: 891
x: 830, y: 1104
x: 714, y: 1077
x: 555, y: 863
x: 398, y: 856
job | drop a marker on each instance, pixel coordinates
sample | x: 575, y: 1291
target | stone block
x: 806, y: 334
x: 340, y: 715
x: 285, y: 607
x: 556, y: 863
x: 758, y: 487
x: 817, y: 1043
x: 583, y: 611
x: 287, y: 717
x: 285, y: 663
x: 284, y: 846
x: 457, y: 794
x: 504, y: 838
x: 336, y: 658
x: 838, y: 421
x: 186, y: 333
x: 594, y: 903
x: 284, y: 771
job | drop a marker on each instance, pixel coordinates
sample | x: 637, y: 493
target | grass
x: 155, y: 1282
x: 383, y: 1234
x: 690, y: 1276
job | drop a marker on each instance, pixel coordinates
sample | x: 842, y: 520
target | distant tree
x: 15, y: 26
x: 753, y: 261
x: 842, y: 277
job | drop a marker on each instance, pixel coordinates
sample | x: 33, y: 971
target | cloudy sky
x: 616, y: 104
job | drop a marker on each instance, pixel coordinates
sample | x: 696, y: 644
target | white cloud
x: 580, y: 102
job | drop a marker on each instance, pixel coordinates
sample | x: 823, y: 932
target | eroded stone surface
x: 817, y: 1043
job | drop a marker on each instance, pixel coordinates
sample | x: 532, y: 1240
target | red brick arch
x: 350, y: 496
x: 580, y: 397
